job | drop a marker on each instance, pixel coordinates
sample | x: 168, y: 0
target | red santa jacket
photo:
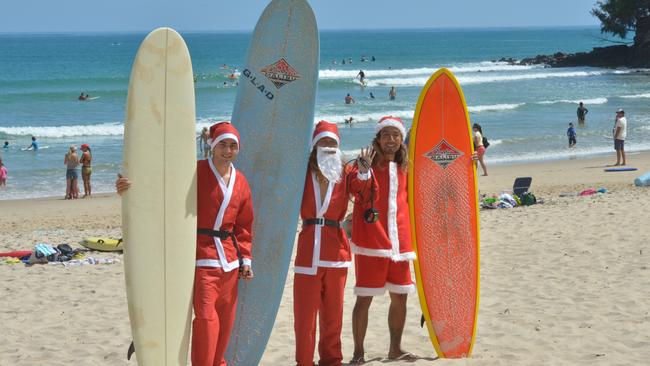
x: 223, y: 207
x: 390, y: 236
x: 323, y: 245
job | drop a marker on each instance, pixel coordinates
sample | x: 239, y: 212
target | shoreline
x: 602, y: 159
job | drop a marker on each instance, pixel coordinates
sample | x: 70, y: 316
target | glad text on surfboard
x: 259, y: 86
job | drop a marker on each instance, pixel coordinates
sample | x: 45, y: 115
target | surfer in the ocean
x: 223, y: 244
x: 323, y: 255
x: 381, y: 236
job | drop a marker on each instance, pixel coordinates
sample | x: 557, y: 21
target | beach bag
x: 528, y: 199
x: 485, y: 142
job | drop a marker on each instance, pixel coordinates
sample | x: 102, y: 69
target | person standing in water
x: 33, y: 145
x: 86, y: 168
x: 3, y: 174
x: 571, y: 134
x: 392, y: 94
x: 204, y: 146
x: 582, y: 113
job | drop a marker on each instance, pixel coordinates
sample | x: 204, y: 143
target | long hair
x: 401, y: 156
x: 478, y: 127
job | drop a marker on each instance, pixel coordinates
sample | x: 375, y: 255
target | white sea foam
x: 585, y: 101
x: 366, y: 117
x: 482, y: 79
x: 330, y: 74
x: 493, y: 107
x: 103, y: 129
x: 636, y: 96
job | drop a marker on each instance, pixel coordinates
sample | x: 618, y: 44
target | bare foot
x: 357, y: 360
x: 405, y: 356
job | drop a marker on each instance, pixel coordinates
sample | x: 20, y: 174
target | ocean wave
x: 493, y: 107
x: 366, y: 117
x: 636, y: 96
x: 329, y: 74
x: 103, y: 129
x: 483, y: 79
x: 576, y: 101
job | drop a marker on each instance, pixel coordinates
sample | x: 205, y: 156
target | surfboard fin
x: 130, y: 352
x: 422, y: 321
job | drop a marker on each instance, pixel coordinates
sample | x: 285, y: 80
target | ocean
x: 524, y: 110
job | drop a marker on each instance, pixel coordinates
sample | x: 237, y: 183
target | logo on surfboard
x: 443, y: 154
x: 280, y: 73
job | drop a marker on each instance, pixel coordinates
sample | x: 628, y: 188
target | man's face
x: 225, y: 151
x: 390, y: 140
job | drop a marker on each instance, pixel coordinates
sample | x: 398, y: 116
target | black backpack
x: 485, y: 142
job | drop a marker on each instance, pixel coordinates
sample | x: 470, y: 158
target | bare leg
x: 480, y: 160
x: 623, y: 156
x: 68, y: 189
x: 618, y: 157
x: 396, y: 320
x: 360, y: 324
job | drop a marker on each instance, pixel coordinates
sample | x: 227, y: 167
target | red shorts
x: 375, y: 275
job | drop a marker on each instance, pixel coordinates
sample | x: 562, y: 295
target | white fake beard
x: 329, y: 163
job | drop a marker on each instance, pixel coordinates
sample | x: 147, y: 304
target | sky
x: 44, y: 16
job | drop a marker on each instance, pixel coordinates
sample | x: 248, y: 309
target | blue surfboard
x: 622, y: 169
x: 274, y: 113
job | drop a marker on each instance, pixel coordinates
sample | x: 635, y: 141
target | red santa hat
x: 221, y: 131
x: 325, y: 129
x: 390, y: 121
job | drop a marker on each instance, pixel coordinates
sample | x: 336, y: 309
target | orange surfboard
x: 444, y: 215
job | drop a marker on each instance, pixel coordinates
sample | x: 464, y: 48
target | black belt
x: 223, y: 235
x: 321, y: 221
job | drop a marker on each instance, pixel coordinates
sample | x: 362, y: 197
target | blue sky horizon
x: 67, y: 16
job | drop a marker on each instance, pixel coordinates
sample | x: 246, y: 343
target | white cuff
x: 364, y: 176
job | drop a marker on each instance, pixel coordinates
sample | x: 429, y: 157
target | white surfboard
x: 274, y: 112
x: 159, y: 210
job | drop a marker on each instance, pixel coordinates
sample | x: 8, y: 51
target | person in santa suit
x: 223, y: 244
x: 323, y: 254
x: 381, y: 239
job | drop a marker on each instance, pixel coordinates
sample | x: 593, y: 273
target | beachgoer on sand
x: 219, y: 186
x: 620, y: 134
x: 479, y: 146
x: 71, y: 161
x: 323, y: 255
x: 204, y: 146
x: 3, y: 174
x: 86, y: 168
x: 382, y: 260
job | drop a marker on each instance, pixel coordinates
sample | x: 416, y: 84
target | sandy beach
x: 562, y: 283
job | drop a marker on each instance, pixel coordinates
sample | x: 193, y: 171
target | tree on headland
x: 620, y: 17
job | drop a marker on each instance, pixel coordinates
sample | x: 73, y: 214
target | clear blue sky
x: 223, y: 15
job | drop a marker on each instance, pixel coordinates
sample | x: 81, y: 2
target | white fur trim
x: 384, y: 253
x: 364, y: 176
x: 329, y: 264
x: 214, y: 263
x: 323, y: 134
x: 389, y: 122
x: 400, y: 289
x: 408, y: 256
x: 222, y: 137
x: 393, y: 184
x: 311, y: 271
x: 227, y: 195
x: 369, y: 291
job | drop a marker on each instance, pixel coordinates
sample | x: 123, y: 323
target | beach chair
x: 521, y: 185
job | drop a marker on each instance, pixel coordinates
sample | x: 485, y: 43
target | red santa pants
x: 375, y: 275
x: 215, y: 303
x: 320, y: 294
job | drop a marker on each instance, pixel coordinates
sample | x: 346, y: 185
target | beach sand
x: 563, y: 282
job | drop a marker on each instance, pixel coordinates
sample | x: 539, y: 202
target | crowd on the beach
x: 382, y: 246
